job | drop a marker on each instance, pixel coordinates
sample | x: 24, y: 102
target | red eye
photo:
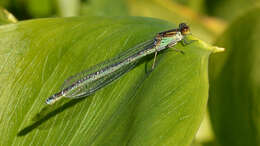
x: 184, y: 28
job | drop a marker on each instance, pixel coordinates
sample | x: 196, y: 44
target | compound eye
x: 184, y: 28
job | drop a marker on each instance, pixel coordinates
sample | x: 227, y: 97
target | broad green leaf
x: 6, y: 17
x: 164, y: 107
x: 235, y: 83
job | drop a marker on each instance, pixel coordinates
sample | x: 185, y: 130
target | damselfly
x: 89, y: 81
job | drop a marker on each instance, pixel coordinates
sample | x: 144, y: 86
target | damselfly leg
x: 154, y: 60
x: 184, y: 41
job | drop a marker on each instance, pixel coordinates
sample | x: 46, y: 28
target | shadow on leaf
x: 45, y: 115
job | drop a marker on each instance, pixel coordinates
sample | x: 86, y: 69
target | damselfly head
x: 184, y: 28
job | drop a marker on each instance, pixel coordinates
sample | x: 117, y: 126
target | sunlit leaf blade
x: 235, y: 83
x: 164, y: 107
x: 6, y: 17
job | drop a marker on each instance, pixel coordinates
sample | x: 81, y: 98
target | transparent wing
x: 93, y: 86
x: 107, y: 63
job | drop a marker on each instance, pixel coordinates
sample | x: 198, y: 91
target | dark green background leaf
x: 205, y: 27
x: 196, y: 5
x: 235, y: 83
x: 107, y: 8
x: 164, y: 107
x: 229, y: 9
x: 40, y: 8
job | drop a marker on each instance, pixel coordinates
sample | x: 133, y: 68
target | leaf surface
x: 164, y: 107
x: 234, y: 101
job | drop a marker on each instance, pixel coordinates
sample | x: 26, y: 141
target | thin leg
x: 184, y: 42
x: 177, y: 50
x: 154, y: 60
x: 174, y: 49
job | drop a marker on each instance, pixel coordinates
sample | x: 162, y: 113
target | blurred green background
x: 233, y: 117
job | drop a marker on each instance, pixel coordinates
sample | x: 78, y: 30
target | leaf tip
x: 218, y: 49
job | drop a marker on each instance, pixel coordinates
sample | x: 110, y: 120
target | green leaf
x: 164, y: 107
x: 235, y: 86
x: 6, y: 17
